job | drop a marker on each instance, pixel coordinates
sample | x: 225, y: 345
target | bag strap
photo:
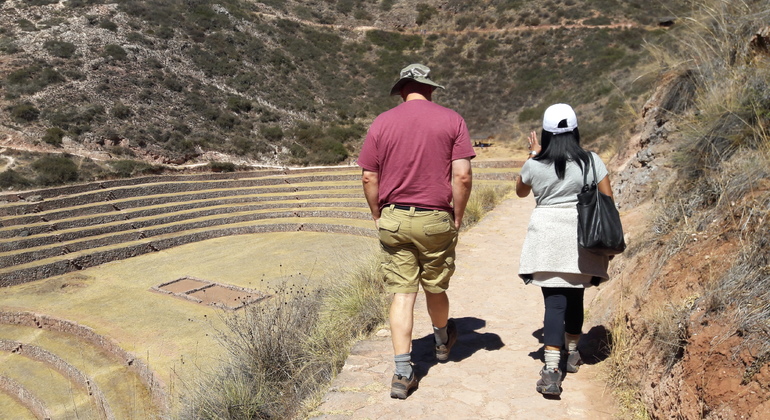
x: 585, y: 173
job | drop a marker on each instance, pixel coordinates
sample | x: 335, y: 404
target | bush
x: 55, y: 170
x: 25, y: 112
x: 424, y: 13
x: 121, y: 111
x: 128, y: 168
x: 53, y: 136
x: 239, y: 104
x: 115, y: 52
x: 12, y: 179
x: 221, y: 167
x: 285, y: 349
x: 108, y: 25
x: 32, y: 79
x: 394, y: 41
x: 61, y: 49
x: 272, y: 133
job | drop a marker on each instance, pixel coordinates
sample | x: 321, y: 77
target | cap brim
x: 396, y: 89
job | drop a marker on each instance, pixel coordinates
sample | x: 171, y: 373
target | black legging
x: 563, y: 313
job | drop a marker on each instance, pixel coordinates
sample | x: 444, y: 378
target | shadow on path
x: 594, y: 346
x: 468, y: 342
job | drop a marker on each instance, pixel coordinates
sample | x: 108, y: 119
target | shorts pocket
x: 389, y: 225
x: 444, y: 226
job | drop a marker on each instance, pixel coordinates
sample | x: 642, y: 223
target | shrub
x: 128, y: 168
x: 12, y: 179
x: 115, y: 52
x: 121, y: 111
x: 61, y: 49
x: 286, y: 348
x: 55, y: 170
x: 394, y: 41
x: 424, y: 13
x: 25, y: 112
x: 108, y: 25
x: 26, y: 26
x: 82, y: 3
x: 53, y: 136
x: 386, y: 5
x: 221, y: 167
x: 272, y: 132
x: 32, y: 79
x: 239, y: 104
x: 8, y: 46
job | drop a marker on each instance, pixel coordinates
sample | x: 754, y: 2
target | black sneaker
x: 549, y: 382
x: 573, y: 361
x: 442, y: 351
x: 400, y: 386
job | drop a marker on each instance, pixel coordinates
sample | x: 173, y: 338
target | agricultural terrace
x: 112, y: 293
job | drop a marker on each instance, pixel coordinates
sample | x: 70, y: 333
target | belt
x: 407, y: 208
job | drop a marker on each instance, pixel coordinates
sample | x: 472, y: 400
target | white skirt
x: 551, y: 248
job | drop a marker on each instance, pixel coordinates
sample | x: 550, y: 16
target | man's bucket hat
x: 413, y: 72
x: 555, y: 114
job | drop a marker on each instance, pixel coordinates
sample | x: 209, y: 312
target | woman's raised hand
x: 534, y: 144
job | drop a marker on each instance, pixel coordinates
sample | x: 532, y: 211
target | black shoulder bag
x: 599, y: 227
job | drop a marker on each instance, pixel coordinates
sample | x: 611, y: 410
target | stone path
x: 494, y: 365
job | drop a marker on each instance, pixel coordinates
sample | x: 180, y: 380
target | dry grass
x: 285, y: 351
x: 722, y: 189
x: 483, y: 199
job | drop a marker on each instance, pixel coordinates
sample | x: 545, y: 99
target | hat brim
x: 396, y: 90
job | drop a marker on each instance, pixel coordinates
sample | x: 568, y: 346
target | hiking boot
x: 573, y: 361
x: 400, y: 386
x: 442, y: 351
x: 549, y: 382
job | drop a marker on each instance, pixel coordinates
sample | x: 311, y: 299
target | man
x: 416, y: 173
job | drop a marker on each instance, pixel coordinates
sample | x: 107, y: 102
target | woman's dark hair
x: 561, y: 148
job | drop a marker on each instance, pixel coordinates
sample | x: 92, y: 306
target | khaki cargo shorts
x: 418, y: 248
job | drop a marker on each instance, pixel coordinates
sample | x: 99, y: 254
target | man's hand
x: 462, y: 181
x: 371, y: 183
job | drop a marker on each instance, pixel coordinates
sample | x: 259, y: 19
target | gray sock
x: 552, y: 358
x: 403, y: 364
x: 441, y: 335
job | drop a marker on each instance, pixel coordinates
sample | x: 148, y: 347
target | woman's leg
x: 553, y: 321
x: 573, y: 314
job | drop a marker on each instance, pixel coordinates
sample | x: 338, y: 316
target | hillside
x: 139, y: 83
x: 682, y: 113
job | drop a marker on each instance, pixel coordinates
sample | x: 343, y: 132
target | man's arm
x: 462, y: 181
x: 371, y: 183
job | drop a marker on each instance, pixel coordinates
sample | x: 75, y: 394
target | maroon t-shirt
x: 411, y: 147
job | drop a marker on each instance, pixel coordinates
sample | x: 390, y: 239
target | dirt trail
x: 494, y: 366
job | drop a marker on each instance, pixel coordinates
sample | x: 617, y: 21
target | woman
x: 550, y: 257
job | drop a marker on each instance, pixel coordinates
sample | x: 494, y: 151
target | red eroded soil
x: 716, y: 374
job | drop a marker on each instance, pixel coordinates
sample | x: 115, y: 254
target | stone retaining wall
x: 155, y: 387
x: 58, y: 202
x: 106, y: 235
x: 246, y: 195
x: 70, y: 372
x: 13, y: 276
x: 25, y: 397
x: 23, y: 236
x: 100, y: 185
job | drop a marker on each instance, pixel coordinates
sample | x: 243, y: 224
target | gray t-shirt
x: 549, y: 189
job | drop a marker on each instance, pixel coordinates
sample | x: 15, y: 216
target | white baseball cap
x: 557, y: 113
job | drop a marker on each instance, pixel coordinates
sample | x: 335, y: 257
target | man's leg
x: 438, y: 308
x: 444, y: 329
x: 402, y: 321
